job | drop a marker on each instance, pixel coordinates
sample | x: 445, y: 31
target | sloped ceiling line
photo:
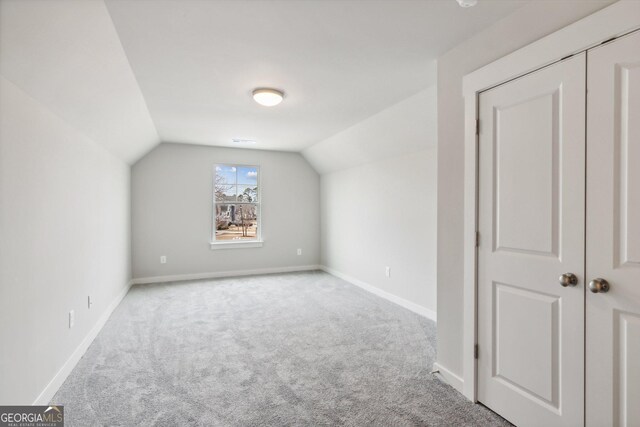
x: 67, y: 55
x: 131, y: 73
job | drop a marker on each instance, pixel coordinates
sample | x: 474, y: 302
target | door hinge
x: 477, y: 239
x: 477, y: 126
x: 475, y: 351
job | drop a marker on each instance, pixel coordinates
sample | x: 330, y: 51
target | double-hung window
x: 236, y: 221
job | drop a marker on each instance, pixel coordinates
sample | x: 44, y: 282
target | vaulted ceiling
x: 66, y: 54
x: 132, y: 73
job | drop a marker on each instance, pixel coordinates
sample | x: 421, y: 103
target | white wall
x: 378, y: 200
x: 64, y: 235
x: 384, y: 214
x: 172, y: 190
x: 526, y: 25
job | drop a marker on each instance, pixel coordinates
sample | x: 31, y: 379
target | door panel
x: 627, y: 101
x: 526, y: 147
x: 613, y: 233
x: 534, y: 342
x: 531, y: 224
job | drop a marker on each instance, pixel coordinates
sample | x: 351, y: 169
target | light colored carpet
x: 278, y: 350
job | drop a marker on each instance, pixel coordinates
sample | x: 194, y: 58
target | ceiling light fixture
x: 467, y: 3
x: 268, y: 97
x: 243, y: 141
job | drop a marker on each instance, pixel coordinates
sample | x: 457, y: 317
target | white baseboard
x: 50, y: 390
x: 418, y: 309
x: 452, y: 379
x: 218, y: 274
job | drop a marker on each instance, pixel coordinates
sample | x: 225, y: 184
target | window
x: 236, y: 206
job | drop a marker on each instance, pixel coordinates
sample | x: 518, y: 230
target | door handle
x: 599, y: 286
x: 568, y: 279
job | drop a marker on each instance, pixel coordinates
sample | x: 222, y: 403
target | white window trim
x: 236, y: 244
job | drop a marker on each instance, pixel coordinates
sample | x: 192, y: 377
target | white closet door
x: 613, y: 233
x: 531, y: 224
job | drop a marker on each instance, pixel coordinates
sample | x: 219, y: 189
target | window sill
x: 236, y: 245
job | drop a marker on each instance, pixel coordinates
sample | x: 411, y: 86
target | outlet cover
x: 72, y: 319
x: 299, y: 251
x: 387, y: 271
x: 163, y: 259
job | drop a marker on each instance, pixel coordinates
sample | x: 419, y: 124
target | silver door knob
x: 568, y: 279
x: 599, y: 286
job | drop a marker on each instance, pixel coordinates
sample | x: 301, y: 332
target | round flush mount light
x: 467, y: 3
x: 268, y: 97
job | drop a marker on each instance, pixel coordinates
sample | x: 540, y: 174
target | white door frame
x: 613, y: 21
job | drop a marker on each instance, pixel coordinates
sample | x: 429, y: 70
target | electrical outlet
x: 72, y: 318
x: 387, y: 271
x: 163, y: 259
x: 89, y: 302
x: 299, y: 251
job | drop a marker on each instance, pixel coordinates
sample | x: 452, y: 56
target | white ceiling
x: 406, y: 127
x: 66, y: 55
x: 339, y: 61
x: 132, y: 73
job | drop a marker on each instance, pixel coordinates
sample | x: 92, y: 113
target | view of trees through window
x: 236, y: 203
